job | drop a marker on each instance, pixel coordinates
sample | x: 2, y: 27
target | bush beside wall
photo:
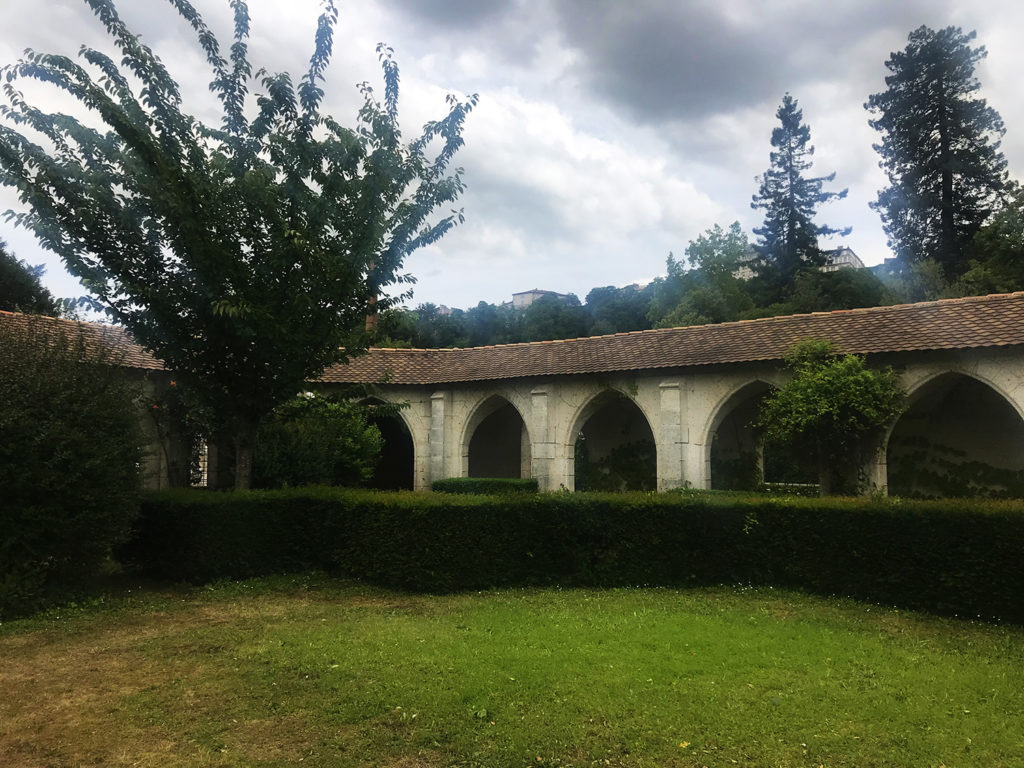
x: 948, y: 557
x: 69, y: 463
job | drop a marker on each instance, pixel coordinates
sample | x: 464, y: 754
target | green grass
x: 268, y: 672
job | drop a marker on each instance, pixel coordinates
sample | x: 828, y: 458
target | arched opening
x: 500, y: 444
x: 959, y: 437
x: 739, y: 458
x: 615, y: 448
x: 396, y: 467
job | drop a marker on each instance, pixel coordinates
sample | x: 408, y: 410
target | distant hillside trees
x: 711, y: 291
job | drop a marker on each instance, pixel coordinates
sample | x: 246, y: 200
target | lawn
x: 317, y: 672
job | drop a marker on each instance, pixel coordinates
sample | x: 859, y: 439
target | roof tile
x: 966, y: 323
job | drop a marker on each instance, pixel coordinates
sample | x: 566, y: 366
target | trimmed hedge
x: 485, y: 486
x: 69, y: 462
x: 948, y: 557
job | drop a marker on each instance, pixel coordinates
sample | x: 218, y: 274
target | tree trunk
x: 949, y: 248
x: 245, y: 436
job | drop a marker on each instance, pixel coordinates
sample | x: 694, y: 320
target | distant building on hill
x: 840, y: 258
x: 523, y: 299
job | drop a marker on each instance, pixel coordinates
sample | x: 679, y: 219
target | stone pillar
x: 672, y: 435
x: 438, y: 412
x: 873, y: 475
x: 542, y: 448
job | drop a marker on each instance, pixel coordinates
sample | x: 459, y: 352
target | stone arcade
x: 517, y: 410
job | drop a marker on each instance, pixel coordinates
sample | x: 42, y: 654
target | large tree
x: 245, y: 255
x: 940, y: 149
x: 788, y: 239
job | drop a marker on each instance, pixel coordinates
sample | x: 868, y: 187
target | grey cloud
x: 668, y: 61
x: 459, y: 14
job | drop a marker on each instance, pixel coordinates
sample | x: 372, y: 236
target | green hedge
x: 954, y: 558
x: 485, y: 486
x: 69, y: 462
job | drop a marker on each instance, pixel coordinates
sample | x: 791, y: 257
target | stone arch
x: 736, y: 456
x: 613, y: 445
x: 961, y: 435
x: 495, y: 441
x: 396, y: 469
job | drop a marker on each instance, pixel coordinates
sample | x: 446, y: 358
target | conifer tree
x: 788, y: 239
x: 940, y: 149
x: 21, y: 289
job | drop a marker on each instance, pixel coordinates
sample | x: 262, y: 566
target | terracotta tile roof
x: 968, y: 323
x: 973, y: 322
x: 114, y: 339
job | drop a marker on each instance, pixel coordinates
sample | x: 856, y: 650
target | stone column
x: 873, y: 474
x: 542, y: 448
x: 438, y: 413
x: 673, y: 435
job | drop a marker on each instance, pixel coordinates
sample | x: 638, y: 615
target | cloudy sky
x: 608, y: 133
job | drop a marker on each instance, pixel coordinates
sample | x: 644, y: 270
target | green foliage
x: 617, y: 310
x: 21, y: 289
x: 484, y: 486
x: 833, y: 408
x: 741, y: 473
x: 939, y: 148
x: 815, y: 291
x: 996, y: 252
x: 919, y: 468
x: 710, y: 291
x: 316, y: 440
x: 247, y: 255
x: 959, y: 557
x: 629, y: 467
x: 788, y: 239
x: 69, y: 463
x: 552, y: 317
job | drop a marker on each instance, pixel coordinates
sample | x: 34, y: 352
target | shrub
x: 69, y: 461
x: 316, y: 440
x: 948, y: 557
x: 483, y: 486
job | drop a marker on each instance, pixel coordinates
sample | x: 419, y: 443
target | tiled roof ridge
x: 88, y: 323
x: 115, y: 338
x: 729, y: 323
x: 970, y: 322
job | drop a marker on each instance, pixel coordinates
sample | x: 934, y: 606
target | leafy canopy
x: 245, y: 255
x: 832, y: 408
x: 939, y: 148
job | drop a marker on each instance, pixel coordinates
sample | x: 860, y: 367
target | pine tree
x: 788, y: 239
x: 940, y: 149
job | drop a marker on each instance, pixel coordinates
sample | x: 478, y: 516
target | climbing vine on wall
x: 629, y: 467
